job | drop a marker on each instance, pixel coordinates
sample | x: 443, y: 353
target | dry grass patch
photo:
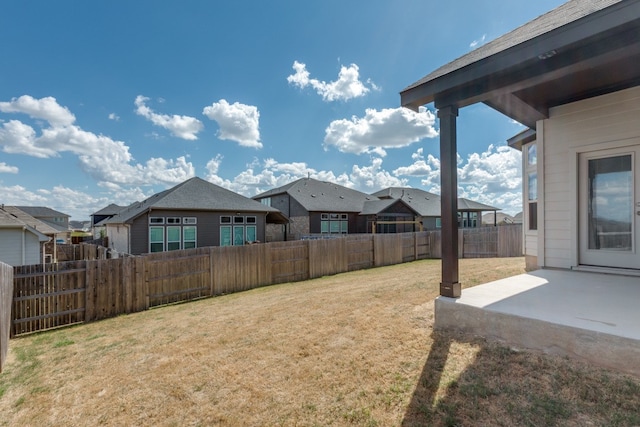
x: 350, y: 349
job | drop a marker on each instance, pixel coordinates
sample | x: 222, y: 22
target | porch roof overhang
x: 277, y: 218
x: 582, y: 49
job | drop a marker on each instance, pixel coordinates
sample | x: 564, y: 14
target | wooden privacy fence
x: 53, y: 295
x: 6, y: 295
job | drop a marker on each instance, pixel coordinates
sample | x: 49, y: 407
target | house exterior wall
x: 298, y: 227
x: 275, y: 233
x: 207, y: 227
x: 607, y: 121
x: 118, y: 236
x: 19, y: 247
x: 429, y: 223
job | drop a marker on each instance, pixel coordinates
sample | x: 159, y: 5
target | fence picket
x: 51, y: 295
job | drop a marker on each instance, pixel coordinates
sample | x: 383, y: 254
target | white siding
x: 19, y: 247
x: 571, y: 129
x: 118, y: 236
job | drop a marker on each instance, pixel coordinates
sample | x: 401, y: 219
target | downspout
x: 128, y: 229
x: 24, y: 245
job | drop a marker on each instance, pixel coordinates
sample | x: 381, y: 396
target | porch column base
x: 451, y: 290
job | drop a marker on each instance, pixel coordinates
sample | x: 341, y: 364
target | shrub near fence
x: 53, y: 295
x: 6, y: 295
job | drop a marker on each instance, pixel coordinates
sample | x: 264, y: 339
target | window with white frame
x: 189, y: 237
x: 173, y: 238
x: 238, y: 235
x: 225, y: 235
x: 234, y: 232
x: 251, y: 233
x: 156, y: 239
x: 334, y: 223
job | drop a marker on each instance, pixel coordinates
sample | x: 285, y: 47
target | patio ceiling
x: 593, y: 48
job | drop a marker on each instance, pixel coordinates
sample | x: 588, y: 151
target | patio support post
x: 450, y: 286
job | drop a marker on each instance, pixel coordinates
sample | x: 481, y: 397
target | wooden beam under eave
x: 512, y: 106
x: 450, y: 285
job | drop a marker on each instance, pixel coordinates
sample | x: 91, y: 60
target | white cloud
x: 372, y: 178
x: 19, y: 138
x: 478, y: 42
x: 493, y: 177
x: 100, y: 156
x: 347, y: 86
x: 270, y: 173
x: 238, y: 122
x: 5, y: 168
x: 377, y: 130
x: 114, y: 117
x: 18, y: 195
x: 45, y: 108
x: 184, y: 127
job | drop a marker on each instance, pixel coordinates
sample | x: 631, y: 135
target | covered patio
x: 582, y: 50
x: 589, y: 316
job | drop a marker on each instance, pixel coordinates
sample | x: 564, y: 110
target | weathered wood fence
x: 53, y: 295
x: 82, y: 251
x: 6, y: 295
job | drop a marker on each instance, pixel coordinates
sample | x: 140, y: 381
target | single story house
x: 324, y: 208
x: 20, y: 243
x: 56, y: 233
x: 53, y: 218
x: 571, y: 77
x: 428, y: 207
x: 193, y: 214
x: 497, y: 218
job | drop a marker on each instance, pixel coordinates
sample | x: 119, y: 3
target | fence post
x: 89, y: 292
x: 211, y: 266
x: 6, y: 299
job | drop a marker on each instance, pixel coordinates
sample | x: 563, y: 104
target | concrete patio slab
x: 590, y: 316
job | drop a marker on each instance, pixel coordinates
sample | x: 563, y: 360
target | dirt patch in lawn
x: 350, y: 349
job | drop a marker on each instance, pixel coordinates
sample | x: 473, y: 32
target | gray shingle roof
x: 375, y: 207
x: 423, y: 202
x: 10, y: 221
x: 112, y: 209
x: 321, y: 196
x: 472, y: 205
x: 428, y: 204
x: 41, y: 211
x: 193, y: 194
x: 26, y: 219
x: 558, y: 17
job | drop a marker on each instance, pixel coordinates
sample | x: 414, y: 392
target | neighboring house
x: 97, y: 219
x: 497, y: 218
x: 324, y: 208
x: 193, y: 214
x: 105, y: 213
x: 428, y: 207
x: 53, y: 218
x: 571, y: 77
x: 20, y: 244
x: 56, y: 234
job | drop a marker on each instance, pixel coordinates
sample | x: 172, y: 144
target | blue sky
x: 110, y: 102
